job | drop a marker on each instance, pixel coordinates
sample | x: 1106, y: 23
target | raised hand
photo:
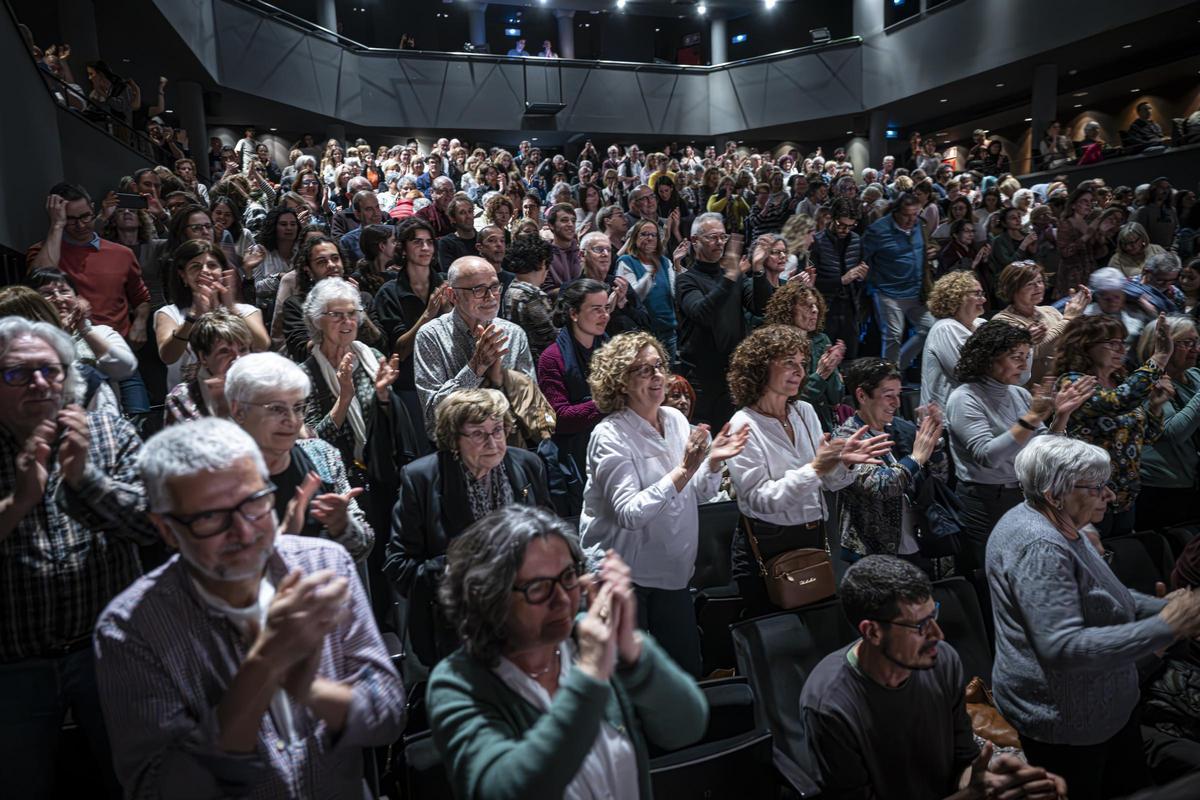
x: 255, y: 254
x: 595, y: 637
x: 1081, y: 296
x: 727, y: 445
x: 1042, y: 402
x: 73, y: 452
x: 345, y: 375
x: 828, y: 455
x: 858, y: 450
x: 108, y: 205
x: 695, y: 449
x: 332, y: 510
x: 615, y: 572
x: 385, y: 376
x: 56, y: 210
x: 681, y: 252
x: 1067, y: 401
x: 1164, y: 342
x: 928, y: 435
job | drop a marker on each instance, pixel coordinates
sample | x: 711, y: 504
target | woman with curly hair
x: 648, y: 471
x: 499, y: 211
x: 1126, y: 412
x: 787, y: 460
x: 991, y: 417
x: 803, y: 307
x: 957, y: 301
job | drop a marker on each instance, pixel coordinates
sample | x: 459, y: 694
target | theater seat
x: 729, y: 769
x: 716, y: 610
x: 718, y: 521
x: 1133, y: 563
x: 777, y: 653
x: 424, y: 775
x: 962, y: 624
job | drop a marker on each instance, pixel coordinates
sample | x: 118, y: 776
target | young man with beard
x: 462, y: 240
x: 885, y: 717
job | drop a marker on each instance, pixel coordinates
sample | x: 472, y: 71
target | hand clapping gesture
x: 385, y: 376
x: 727, y: 445
x: 860, y: 450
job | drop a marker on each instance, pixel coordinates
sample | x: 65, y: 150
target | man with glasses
x: 711, y: 299
x: 836, y: 254
x: 471, y: 347
x: 72, y: 516
x: 435, y: 213
x: 884, y: 717
x: 105, y: 273
x: 282, y: 678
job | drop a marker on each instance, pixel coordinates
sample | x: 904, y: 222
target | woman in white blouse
x: 647, y: 472
x: 787, y: 460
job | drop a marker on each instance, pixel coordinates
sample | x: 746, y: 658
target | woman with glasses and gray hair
x: 541, y: 700
x: 473, y: 473
x: 648, y: 471
x: 266, y: 394
x: 1068, y: 633
x: 1126, y: 411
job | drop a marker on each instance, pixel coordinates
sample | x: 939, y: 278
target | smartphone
x: 131, y: 201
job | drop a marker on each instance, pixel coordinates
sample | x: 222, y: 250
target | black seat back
x: 962, y: 624
x: 718, y: 521
x: 729, y: 769
x: 1133, y: 564
x: 777, y: 653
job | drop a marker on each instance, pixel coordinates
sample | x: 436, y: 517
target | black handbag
x: 937, y: 519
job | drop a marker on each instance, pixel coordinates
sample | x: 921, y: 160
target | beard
x: 927, y: 651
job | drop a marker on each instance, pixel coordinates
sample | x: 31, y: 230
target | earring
x: 1059, y: 505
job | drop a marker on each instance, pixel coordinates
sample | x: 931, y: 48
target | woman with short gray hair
x: 1068, y: 633
x: 536, y: 703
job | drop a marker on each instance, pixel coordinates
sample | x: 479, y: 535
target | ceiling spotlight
x: 1126, y: 46
x: 1080, y: 94
x: 769, y: 4
x: 1135, y: 91
x: 620, y: 4
x: 1079, y: 105
x: 702, y: 9
x: 944, y: 100
x: 999, y: 85
x: 274, y: 129
x: 1029, y: 119
x: 849, y: 133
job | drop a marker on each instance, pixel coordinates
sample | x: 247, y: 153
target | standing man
x: 72, y: 516
x: 565, y: 265
x: 612, y: 223
x: 367, y: 212
x: 836, y: 255
x: 894, y: 249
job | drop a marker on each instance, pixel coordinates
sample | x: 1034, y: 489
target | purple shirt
x: 565, y: 266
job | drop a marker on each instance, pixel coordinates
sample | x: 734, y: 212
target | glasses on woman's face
x: 1095, y: 489
x: 540, y: 590
x: 648, y: 370
x: 207, y: 524
x: 281, y: 411
x: 480, y: 435
x: 1187, y: 344
x: 777, y: 253
x: 340, y: 316
x: 1114, y: 345
x: 200, y: 227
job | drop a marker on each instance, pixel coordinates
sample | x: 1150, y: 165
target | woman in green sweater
x: 541, y: 701
x: 801, y: 306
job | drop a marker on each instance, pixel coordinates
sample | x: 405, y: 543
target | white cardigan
x: 774, y: 477
x: 630, y: 503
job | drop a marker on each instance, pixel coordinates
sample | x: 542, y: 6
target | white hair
x: 442, y: 180
x: 326, y: 291
x: 594, y: 236
x: 1163, y: 262
x: 708, y: 216
x: 1054, y: 464
x: 253, y: 375
x: 306, y: 162
x: 1106, y: 279
x: 209, y: 444
x: 14, y: 328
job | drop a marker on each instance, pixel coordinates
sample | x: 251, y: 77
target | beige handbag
x: 794, y: 578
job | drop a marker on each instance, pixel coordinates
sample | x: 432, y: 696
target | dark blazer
x: 432, y: 509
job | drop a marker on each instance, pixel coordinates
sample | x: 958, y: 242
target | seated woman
x: 524, y: 302
x: 963, y: 253
x: 473, y: 473
x: 957, y: 301
x: 991, y: 417
x: 876, y: 509
x: 219, y: 339
x: 351, y: 405
x: 266, y: 395
x: 1068, y: 633
x: 317, y: 258
x: 1125, y: 412
x: 802, y: 307
x: 538, y: 702
x: 1169, y: 466
x: 648, y: 471
x: 563, y: 369
x: 1133, y: 250
x: 1023, y: 284
x: 199, y: 281
x: 787, y: 461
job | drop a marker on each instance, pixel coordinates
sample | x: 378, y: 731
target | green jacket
x: 496, y: 745
x: 822, y: 393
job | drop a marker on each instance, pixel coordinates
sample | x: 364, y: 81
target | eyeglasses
x: 51, y: 292
x: 480, y: 436
x: 979, y: 293
x: 200, y: 227
x: 539, y: 590
x: 778, y: 253
x: 599, y: 249
x: 309, y: 183
x: 82, y: 219
x: 648, y: 370
x: 921, y: 627
x: 482, y: 290
x: 1187, y: 344
x: 341, y: 316
x: 208, y: 524
x: 1098, y: 488
x: 22, y: 375
x: 1115, y: 345
x: 281, y: 411
x: 714, y: 237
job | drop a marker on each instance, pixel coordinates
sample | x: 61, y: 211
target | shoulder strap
x: 748, y: 529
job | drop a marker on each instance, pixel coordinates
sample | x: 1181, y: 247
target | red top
x: 108, y: 277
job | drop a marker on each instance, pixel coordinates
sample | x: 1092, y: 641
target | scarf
x: 577, y: 362
x: 492, y: 492
x: 354, y: 415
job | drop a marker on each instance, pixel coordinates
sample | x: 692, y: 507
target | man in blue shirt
x: 519, y: 51
x: 894, y: 249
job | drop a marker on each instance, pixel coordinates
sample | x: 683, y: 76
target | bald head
x: 470, y: 276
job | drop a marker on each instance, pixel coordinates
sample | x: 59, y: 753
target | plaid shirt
x: 75, y: 550
x: 165, y: 659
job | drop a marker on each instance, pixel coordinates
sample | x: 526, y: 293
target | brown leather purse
x: 794, y: 578
x: 985, y: 717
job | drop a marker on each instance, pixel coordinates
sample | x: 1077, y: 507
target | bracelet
x: 189, y: 318
x: 176, y: 335
x: 1027, y: 426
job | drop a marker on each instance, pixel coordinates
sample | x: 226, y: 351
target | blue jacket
x: 896, y: 258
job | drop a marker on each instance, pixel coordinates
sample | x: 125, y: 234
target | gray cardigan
x: 1068, y: 633
x: 979, y: 416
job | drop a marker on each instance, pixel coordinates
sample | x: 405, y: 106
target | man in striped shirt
x: 249, y: 665
x: 72, y: 514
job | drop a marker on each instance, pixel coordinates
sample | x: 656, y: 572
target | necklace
x: 787, y: 425
x: 545, y: 670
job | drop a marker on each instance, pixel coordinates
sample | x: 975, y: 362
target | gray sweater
x: 1068, y: 633
x: 979, y: 416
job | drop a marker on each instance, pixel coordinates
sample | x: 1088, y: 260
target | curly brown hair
x: 949, y: 292
x: 781, y: 308
x: 750, y: 365
x: 609, y: 378
x: 1082, y: 334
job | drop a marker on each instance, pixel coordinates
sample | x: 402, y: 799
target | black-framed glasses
x: 479, y: 436
x: 539, y: 590
x: 208, y: 524
x: 22, y: 375
x: 482, y: 290
x: 921, y: 627
x: 648, y: 370
x: 82, y: 219
x: 200, y: 227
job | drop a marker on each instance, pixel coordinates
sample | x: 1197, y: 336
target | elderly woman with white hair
x: 1160, y: 295
x: 351, y: 382
x: 1133, y: 250
x: 266, y: 394
x: 1068, y: 633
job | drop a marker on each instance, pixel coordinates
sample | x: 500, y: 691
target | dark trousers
x: 713, y: 403
x: 983, y: 506
x: 1114, y: 768
x: 1117, y: 523
x: 35, y: 695
x: 841, y: 322
x: 1162, y: 508
x: 670, y: 617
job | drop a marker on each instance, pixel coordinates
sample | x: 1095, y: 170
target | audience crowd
x: 498, y: 388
